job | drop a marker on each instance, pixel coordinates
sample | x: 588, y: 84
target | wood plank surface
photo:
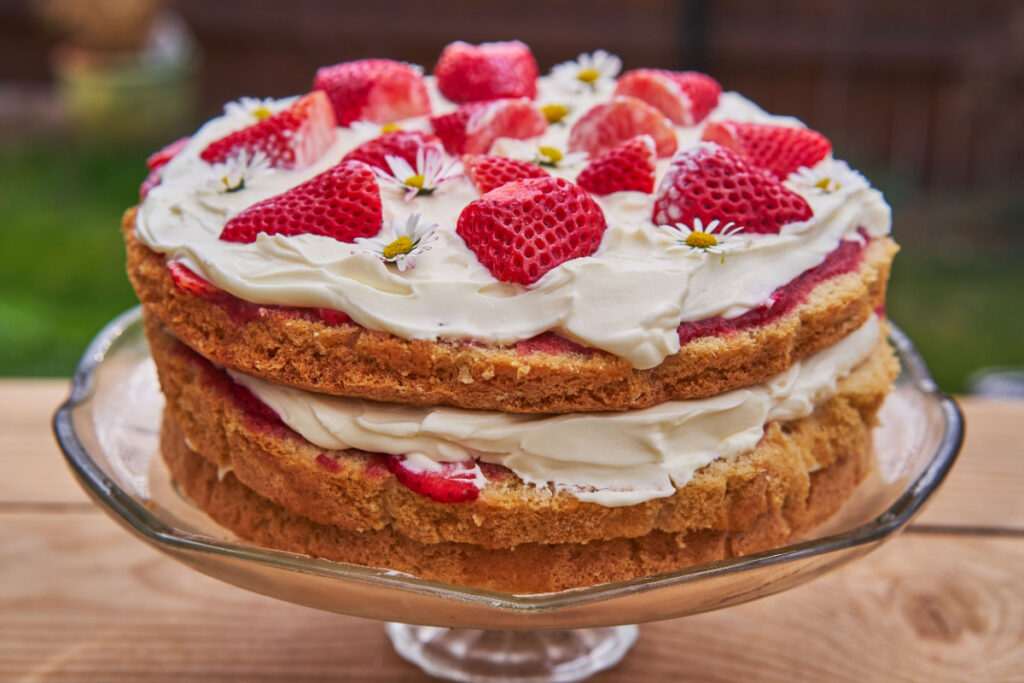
x: 87, y: 601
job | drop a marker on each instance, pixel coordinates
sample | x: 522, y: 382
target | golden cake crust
x: 726, y: 495
x: 349, y: 360
x: 527, y: 568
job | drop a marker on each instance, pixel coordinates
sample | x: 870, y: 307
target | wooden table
x: 80, y: 599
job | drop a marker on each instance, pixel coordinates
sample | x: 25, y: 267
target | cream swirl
x: 628, y: 298
x: 612, y: 459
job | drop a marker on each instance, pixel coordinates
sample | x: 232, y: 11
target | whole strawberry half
x: 618, y: 120
x: 292, y: 138
x: 401, y: 143
x: 376, y: 90
x: 454, y: 482
x: 685, y: 97
x: 473, y: 127
x: 471, y: 73
x: 343, y: 202
x: 779, y: 149
x: 490, y: 172
x: 525, y: 228
x: 158, y: 160
x: 627, y: 166
x: 711, y: 182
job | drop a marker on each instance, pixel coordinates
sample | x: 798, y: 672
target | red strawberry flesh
x: 343, y: 202
x: 292, y: 138
x: 473, y: 128
x: 376, y: 90
x: 623, y: 118
x: 452, y: 482
x: 490, y: 172
x: 710, y: 182
x: 629, y: 166
x: 404, y: 144
x: 523, y: 229
x: 489, y: 71
x: 685, y: 97
x: 779, y: 149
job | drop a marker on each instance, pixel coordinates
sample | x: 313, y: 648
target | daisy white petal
x: 827, y: 177
x: 400, y: 244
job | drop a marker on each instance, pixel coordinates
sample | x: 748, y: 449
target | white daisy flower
x: 430, y: 172
x: 368, y: 130
x: 236, y: 172
x: 827, y: 177
x: 588, y: 71
x: 714, y: 238
x: 250, y: 110
x: 401, y: 244
x: 549, y: 156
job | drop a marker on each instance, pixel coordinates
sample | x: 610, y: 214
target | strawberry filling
x: 453, y: 482
x: 845, y: 258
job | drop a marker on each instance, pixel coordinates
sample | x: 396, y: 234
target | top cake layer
x: 654, y: 266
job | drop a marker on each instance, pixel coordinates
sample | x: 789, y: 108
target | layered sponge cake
x: 513, y: 331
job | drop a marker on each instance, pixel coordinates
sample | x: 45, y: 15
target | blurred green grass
x: 957, y: 286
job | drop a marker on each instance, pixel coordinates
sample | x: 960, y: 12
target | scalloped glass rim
x: 132, y: 513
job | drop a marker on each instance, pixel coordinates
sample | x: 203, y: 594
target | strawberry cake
x: 513, y: 331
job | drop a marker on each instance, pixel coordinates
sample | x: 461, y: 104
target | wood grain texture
x: 92, y: 602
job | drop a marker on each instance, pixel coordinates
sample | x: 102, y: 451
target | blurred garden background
x: 926, y: 97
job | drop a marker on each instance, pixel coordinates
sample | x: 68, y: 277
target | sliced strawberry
x: 525, y: 228
x: 454, y: 482
x: 400, y: 143
x: 627, y: 166
x: 293, y: 138
x: 333, y: 317
x: 186, y: 280
x: 489, y: 71
x: 490, y: 172
x: 377, y: 90
x: 160, y: 158
x: 779, y: 149
x: 711, y: 182
x: 621, y: 119
x: 151, y: 181
x: 685, y: 97
x: 343, y: 202
x: 473, y: 127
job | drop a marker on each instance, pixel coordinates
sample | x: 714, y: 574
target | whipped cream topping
x: 612, y: 459
x: 628, y: 298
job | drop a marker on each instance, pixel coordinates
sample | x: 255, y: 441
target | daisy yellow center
x: 700, y: 240
x: 588, y: 74
x: 403, y: 245
x: 415, y: 181
x: 554, y: 112
x: 390, y: 128
x: 552, y: 154
x: 825, y: 184
x: 261, y: 113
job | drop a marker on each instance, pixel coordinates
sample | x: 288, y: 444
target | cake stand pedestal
x: 462, y: 654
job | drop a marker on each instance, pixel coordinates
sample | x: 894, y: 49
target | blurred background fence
x: 925, y: 96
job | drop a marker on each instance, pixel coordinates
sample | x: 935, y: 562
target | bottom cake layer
x: 527, y: 568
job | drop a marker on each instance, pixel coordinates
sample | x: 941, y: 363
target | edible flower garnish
x: 234, y: 173
x: 400, y: 244
x: 545, y: 155
x: 828, y: 177
x: 714, y: 238
x: 588, y: 71
x: 250, y: 110
x: 554, y: 112
x: 430, y: 172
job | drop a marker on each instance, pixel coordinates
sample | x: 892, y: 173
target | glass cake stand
x: 108, y: 431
